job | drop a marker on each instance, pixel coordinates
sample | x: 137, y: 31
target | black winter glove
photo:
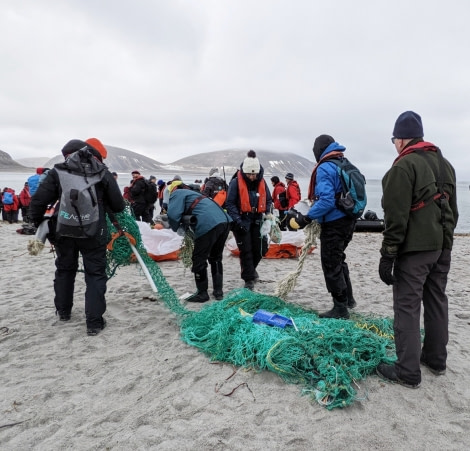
x: 386, y: 267
x: 298, y: 220
x: 238, y: 226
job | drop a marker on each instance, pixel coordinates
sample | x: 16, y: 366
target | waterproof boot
x: 340, y: 309
x: 202, y: 284
x: 351, y: 301
x: 217, y: 271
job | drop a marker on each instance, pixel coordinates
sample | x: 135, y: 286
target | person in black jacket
x: 138, y: 203
x: 215, y: 186
x: 92, y: 249
x: 248, y: 199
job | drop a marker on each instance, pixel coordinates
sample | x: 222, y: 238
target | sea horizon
x: 16, y: 181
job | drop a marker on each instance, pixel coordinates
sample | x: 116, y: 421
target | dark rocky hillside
x: 7, y: 164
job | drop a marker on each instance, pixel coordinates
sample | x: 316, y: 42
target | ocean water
x: 374, y: 191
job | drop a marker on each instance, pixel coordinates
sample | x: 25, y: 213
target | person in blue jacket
x: 336, y: 227
x: 210, y: 225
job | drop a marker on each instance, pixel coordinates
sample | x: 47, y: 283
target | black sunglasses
x: 393, y: 139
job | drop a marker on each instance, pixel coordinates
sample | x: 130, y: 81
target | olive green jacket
x: 411, y: 180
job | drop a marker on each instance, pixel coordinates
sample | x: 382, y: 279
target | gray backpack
x: 78, y: 212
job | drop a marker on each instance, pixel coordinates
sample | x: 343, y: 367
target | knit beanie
x: 290, y: 176
x: 251, y: 163
x: 98, y: 146
x: 72, y: 146
x: 320, y: 144
x: 408, y: 125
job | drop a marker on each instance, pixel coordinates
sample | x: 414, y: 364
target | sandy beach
x: 138, y: 386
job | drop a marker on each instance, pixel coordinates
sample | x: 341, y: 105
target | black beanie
x: 72, y: 146
x: 408, y: 125
x: 320, y: 144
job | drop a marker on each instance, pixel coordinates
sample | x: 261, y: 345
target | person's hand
x: 238, y: 226
x: 386, y: 268
x: 298, y: 220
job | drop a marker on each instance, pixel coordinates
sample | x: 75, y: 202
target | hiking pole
x: 129, y: 239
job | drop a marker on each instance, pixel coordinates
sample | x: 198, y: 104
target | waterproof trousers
x: 94, y: 264
x: 252, y: 249
x: 420, y: 277
x: 334, y: 239
x: 209, y: 247
x: 141, y: 211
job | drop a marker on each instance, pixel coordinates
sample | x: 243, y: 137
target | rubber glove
x: 386, y: 264
x: 299, y: 221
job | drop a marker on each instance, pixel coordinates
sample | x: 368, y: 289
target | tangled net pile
x: 326, y: 356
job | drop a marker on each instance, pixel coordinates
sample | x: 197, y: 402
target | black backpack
x: 151, y: 193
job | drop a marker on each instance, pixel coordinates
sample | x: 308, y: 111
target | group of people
x: 420, y: 209
x: 11, y: 203
x: 285, y: 197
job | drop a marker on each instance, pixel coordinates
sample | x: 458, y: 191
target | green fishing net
x: 327, y: 357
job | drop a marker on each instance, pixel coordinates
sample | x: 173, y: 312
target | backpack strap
x: 189, y: 211
x: 442, y: 196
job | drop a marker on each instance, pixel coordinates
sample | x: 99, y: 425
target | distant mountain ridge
x: 123, y: 160
x: 273, y: 163
x: 7, y: 164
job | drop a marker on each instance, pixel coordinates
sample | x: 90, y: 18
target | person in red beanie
x: 81, y: 159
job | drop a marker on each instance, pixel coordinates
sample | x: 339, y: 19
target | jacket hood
x: 82, y: 161
x: 333, y: 147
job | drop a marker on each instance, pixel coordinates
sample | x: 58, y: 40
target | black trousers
x: 334, y: 239
x: 420, y: 276
x: 210, y: 247
x: 282, y: 220
x: 141, y: 212
x: 252, y: 249
x: 94, y: 262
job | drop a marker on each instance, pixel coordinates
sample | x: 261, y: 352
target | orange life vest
x: 245, y: 205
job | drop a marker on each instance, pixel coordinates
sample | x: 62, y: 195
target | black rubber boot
x: 202, y: 284
x: 351, y: 301
x: 340, y: 309
x: 217, y: 271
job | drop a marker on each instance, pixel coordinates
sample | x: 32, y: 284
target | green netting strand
x: 325, y: 356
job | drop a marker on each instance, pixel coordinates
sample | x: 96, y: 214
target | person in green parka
x: 420, y: 213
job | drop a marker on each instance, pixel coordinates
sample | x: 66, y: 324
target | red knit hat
x: 98, y: 146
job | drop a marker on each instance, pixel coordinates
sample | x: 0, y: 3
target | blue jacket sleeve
x: 327, y: 185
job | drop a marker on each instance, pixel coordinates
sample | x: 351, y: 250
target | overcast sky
x: 171, y: 78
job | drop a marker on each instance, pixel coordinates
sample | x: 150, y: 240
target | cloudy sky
x: 171, y: 78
